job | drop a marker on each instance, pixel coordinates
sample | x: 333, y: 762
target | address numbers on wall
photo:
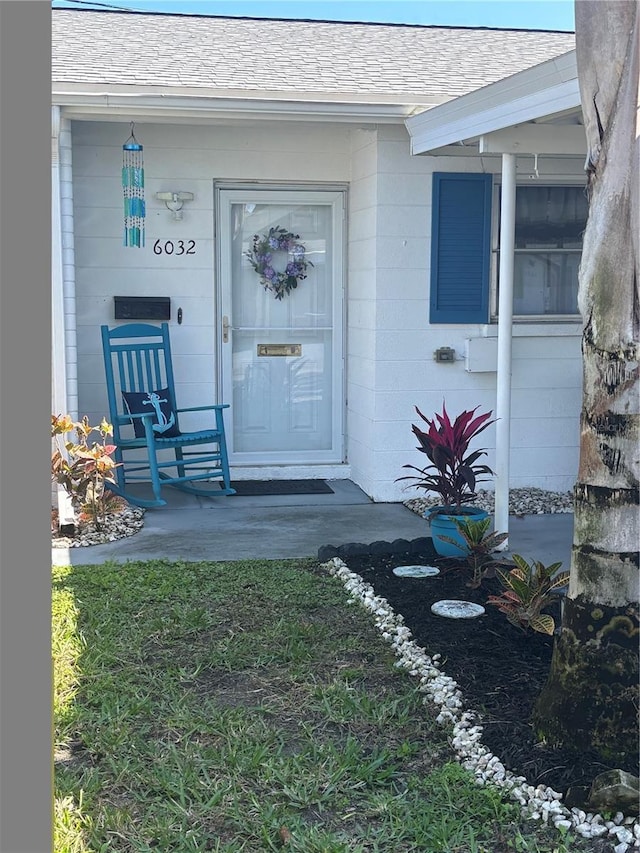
x: 174, y: 247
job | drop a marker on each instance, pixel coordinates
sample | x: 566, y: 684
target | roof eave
x: 104, y: 102
x: 543, y: 91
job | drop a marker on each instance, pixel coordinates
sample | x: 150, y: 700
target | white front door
x: 282, y: 358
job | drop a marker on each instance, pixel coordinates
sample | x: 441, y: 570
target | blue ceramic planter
x: 443, y: 524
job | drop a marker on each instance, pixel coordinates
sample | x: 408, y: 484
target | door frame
x: 283, y: 192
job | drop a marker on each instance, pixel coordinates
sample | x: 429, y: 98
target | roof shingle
x: 397, y: 62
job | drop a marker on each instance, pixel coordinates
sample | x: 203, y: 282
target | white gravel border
x: 539, y: 803
x: 529, y: 501
x: 119, y: 525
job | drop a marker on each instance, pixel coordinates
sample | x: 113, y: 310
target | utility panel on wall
x: 142, y: 307
x: 481, y: 355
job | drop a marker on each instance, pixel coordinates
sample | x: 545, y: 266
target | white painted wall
x: 362, y: 284
x: 390, y: 344
x: 546, y: 370
x: 175, y: 158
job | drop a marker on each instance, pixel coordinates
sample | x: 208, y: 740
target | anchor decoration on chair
x: 163, y: 423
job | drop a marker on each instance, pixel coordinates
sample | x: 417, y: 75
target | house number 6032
x: 177, y: 247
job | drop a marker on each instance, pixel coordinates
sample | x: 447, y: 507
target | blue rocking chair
x: 143, y: 412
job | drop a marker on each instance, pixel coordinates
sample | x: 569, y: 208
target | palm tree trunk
x: 591, y: 698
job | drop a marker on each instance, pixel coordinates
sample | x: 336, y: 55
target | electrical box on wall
x: 481, y: 355
x: 142, y: 307
x: 444, y: 354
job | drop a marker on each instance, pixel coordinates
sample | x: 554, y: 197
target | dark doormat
x: 251, y: 488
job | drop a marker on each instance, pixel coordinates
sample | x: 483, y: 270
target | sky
x: 519, y: 14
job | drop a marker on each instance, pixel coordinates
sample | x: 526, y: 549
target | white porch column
x: 505, y: 323
x: 67, y: 229
x: 58, y: 350
x: 58, y: 365
x: 64, y: 393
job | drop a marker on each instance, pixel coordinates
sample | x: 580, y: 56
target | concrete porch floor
x: 232, y: 527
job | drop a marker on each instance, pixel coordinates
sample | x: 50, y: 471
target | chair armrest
x: 125, y: 419
x: 204, y: 408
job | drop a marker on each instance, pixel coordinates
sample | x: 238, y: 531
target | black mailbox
x: 142, y: 307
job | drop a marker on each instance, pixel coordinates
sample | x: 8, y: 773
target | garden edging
x: 539, y: 803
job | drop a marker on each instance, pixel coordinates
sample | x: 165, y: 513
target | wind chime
x: 133, y: 189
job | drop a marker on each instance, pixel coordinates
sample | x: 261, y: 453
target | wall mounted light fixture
x: 175, y: 201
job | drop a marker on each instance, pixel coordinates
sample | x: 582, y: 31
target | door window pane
x: 283, y: 402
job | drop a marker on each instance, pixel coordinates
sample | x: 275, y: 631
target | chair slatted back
x: 139, y: 369
x: 137, y: 358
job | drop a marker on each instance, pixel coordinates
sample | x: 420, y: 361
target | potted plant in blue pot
x: 453, y: 473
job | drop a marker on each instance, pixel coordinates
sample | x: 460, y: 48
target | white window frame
x: 495, y: 255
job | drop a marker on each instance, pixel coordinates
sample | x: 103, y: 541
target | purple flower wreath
x: 261, y: 255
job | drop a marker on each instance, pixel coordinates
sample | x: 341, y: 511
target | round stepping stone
x: 454, y: 609
x: 416, y: 571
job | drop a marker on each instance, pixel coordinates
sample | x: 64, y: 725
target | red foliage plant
x: 453, y: 472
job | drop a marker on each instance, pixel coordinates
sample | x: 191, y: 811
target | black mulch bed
x: 499, y: 669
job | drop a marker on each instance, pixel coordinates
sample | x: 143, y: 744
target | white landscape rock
x: 118, y: 525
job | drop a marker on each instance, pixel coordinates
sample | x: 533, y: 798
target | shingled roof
x: 390, y: 63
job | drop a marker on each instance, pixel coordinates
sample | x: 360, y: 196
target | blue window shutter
x: 460, y: 248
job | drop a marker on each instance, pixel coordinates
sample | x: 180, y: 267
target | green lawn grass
x: 248, y: 706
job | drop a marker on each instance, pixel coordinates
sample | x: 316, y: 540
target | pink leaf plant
x: 453, y: 472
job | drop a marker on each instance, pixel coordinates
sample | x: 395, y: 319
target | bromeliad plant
x: 529, y: 588
x: 84, y: 467
x: 454, y: 472
x: 481, y: 547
